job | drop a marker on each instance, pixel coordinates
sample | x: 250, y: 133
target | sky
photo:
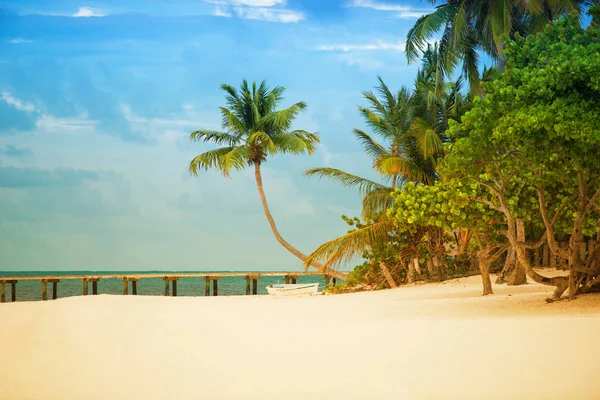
x: 97, y: 100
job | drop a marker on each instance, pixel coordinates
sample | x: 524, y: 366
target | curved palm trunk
x: 281, y: 240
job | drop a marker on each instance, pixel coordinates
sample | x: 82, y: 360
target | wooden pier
x: 170, y: 281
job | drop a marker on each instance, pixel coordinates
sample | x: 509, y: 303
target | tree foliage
x: 531, y: 146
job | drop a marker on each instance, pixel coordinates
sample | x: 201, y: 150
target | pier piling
x: 94, y: 284
x: 215, y: 286
x: 13, y: 289
x: 255, y: 284
x: 247, y: 278
x: 174, y: 280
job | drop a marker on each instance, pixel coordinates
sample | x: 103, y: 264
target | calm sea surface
x: 228, y: 286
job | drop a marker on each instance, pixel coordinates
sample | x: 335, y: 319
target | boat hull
x: 295, y: 289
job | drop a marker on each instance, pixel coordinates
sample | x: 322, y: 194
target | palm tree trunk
x: 281, y: 240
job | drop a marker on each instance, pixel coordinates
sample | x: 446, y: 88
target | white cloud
x: 268, y: 14
x: 401, y: 10
x: 263, y: 10
x: 87, y: 12
x: 249, y: 3
x: 16, y: 103
x: 411, y: 14
x: 20, y: 40
x: 78, y: 124
x: 256, y: 3
x: 221, y: 12
x: 398, y: 46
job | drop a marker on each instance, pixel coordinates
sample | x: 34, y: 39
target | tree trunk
x: 501, y: 64
x: 484, y: 268
x: 280, y: 239
x: 388, y: 275
x: 519, y: 277
x: 410, y: 273
x: 513, y: 273
x: 509, y: 267
x: 561, y: 283
x: 415, y: 261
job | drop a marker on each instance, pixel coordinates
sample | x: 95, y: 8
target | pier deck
x: 170, y: 279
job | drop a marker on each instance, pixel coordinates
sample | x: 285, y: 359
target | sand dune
x: 435, y: 341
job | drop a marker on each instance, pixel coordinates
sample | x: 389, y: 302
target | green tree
x: 447, y: 205
x: 254, y: 130
x: 532, y: 145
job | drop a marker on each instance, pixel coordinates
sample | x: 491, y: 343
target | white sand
x: 438, y: 341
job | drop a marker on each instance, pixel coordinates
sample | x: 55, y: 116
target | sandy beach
x: 433, y: 341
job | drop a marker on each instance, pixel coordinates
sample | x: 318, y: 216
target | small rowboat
x: 294, y: 289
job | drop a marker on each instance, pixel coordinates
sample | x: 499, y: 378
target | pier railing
x: 170, y: 280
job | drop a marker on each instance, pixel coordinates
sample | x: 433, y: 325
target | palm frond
x: 210, y: 159
x: 349, y: 180
x: 470, y: 63
x: 377, y: 201
x: 460, y: 24
x: 263, y: 141
x: 352, y: 244
x: 376, y: 120
x: 231, y: 121
x: 425, y: 28
x: 219, y: 138
x: 296, y: 142
x: 372, y: 148
x: 282, y: 120
x: 235, y: 159
x: 391, y: 165
x: 428, y: 142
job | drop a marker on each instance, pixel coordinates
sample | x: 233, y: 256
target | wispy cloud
x: 78, y: 124
x: 263, y: 10
x: 398, y: 46
x: 16, y: 103
x: 87, y: 12
x: 401, y: 11
x: 255, y: 3
x: 19, y: 40
x: 268, y: 14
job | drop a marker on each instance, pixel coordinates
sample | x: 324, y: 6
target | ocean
x: 228, y: 285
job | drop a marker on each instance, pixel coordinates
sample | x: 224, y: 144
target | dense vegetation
x: 518, y: 170
x: 489, y: 176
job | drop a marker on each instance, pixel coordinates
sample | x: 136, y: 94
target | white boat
x: 293, y: 289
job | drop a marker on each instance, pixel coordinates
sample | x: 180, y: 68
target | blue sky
x: 97, y: 99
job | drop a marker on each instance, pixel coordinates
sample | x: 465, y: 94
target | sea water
x: 195, y: 286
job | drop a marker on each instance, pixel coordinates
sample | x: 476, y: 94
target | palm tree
x: 255, y: 130
x: 470, y: 26
x: 408, y: 156
x: 412, y: 124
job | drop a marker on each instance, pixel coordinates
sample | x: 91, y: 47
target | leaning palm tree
x: 254, y: 130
